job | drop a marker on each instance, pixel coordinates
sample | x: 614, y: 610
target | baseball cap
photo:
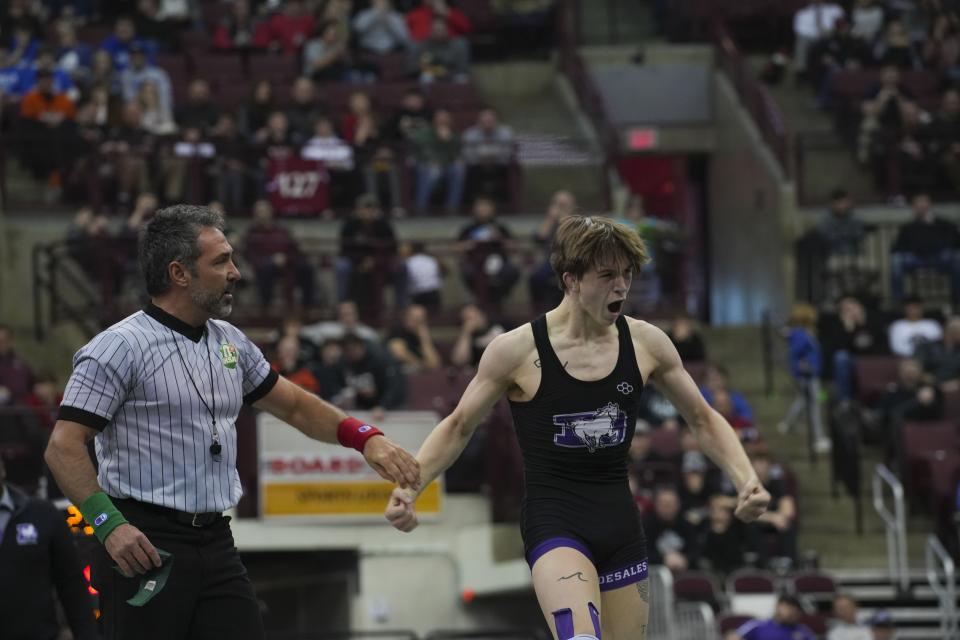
x: 153, y: 581
x: 791, y: 599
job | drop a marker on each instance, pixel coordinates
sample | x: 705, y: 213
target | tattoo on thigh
x: 578, y: 575
x: 643, y: 588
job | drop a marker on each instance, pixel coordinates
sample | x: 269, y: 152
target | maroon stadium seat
x: 697, y: 586
x: 874, y: 374
x: 817, y: 585
x: 273, y: 67
x: 752, y: 581
x: 665, y: 442
x: 923, y: 442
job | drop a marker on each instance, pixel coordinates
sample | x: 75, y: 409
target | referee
x: 159, y: 392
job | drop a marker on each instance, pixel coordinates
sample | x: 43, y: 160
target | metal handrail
x: 896, y: 524
x: 939, y: 563
x: 661, y: 624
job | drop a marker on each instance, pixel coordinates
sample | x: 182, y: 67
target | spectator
x: 912, y: 397
x: 330, y: 372
x: 717, y: 378
x: 846, y: 625
x: 139, y: 72
x: 337, y: 157
x: 420, y: 20
x: 926, y: 241
x: 488, y: 149
x: 38, y: 559
x: 288, y: 30
x: 16, y: 376
x: 723, y: 404
x: 308, y: 352
x: 44, y: 399
x: 941, y: 50
x: 289, y: 365
x: 369, y: 376
x: 348, y: 321
x: 656, y: 410
x: 544, y: 290
x: 238, y: 29
x: 123, y: 40
x: 476, y: 332
x: 186, y: 164
x: 274, y: 254
x: 90, y: 245
x: 230, y: 167
x: 48, y: 132
x: 784, y: 624
x: 27, y: 76
x: 842, y: 231
x: 381, y: 29
x: 838, y: 51
x: 275, y: 139
x: 909, y: 332
x: 368, y: 253
x: 73, y: 56
x: 851, y: 332
x: 686, y: 338
x: 882, y: 625
x: 810, y: 24
x: 254, y: 114
x: 725, y: 544
x: 161, y: 21
x: 867, y: 18
x: 412, y: 116
x: 694, y: 489
x: 484, y: 247
x: 670, y: 538
x: 941, y: 359
x: 327, y: 57
x: 805, y: 368
x: 946, y: 133
x: 304, y: 109
x: 411, y: 344
x: 895, y: 48
x: 441, y: 56
x: 23, y: 45
x: 199, y: 109
x: 156, y: 118
x: 881, y: 112
x: 362, y: 129
x: 425, y: 275
x: 439, y: 157
x: 103, y: 73
x: 778, y: 524
x: 912, y: 160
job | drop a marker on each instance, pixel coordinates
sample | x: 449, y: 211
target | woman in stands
x: 574, y: 378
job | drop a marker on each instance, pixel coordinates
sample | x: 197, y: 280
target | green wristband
x: 99, y: 512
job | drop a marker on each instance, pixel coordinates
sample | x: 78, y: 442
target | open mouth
x: 615, y: 307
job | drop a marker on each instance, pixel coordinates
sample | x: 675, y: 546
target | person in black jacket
x: 38, y: 555
x: 926, y: 241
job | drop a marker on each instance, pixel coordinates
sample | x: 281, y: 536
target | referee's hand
x: 131, y: 550
x: 392, y: 462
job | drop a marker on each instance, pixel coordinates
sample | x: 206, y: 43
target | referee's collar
x: 175, y: 323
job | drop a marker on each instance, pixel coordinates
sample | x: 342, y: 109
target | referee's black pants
x: 207, y: 596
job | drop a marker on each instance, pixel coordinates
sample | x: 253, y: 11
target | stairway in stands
x: 859, y: 562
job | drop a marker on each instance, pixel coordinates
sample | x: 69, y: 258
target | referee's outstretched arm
x: 322, y: 421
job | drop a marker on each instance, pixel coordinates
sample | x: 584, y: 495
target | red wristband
x: 354, y: 434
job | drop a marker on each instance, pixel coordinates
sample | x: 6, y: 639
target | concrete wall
x: 750, y: 203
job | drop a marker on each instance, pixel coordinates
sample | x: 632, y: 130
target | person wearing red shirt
x: 273, y: 253
x: 287, y: 30
x: 420, y: 20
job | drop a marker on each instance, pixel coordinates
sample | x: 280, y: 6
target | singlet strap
x: 628, y: 356
x: 546, y: 354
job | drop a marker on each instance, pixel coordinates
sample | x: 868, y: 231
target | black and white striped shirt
x: 130, y: 384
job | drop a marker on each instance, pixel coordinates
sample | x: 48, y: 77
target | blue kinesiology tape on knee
x: 563, y: 619
x: 595, y: 617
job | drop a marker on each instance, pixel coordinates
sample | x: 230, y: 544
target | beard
x: 214, y: 303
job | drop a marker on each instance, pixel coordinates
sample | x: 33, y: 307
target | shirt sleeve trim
x: 82, y: 416
x: 263, y: 388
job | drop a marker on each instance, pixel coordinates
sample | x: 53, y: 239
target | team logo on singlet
x: 605, y: 427
x: 228, y: 356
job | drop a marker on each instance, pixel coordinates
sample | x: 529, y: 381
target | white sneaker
x: 823, y: 445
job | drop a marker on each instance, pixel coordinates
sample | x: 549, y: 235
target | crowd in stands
x: 888, y: 70
x: 308, y: 104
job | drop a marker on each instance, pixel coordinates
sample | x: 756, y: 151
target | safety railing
x: 695, y: 621
x: 941, y: 575
x: 503, y: 634
x: 895, y: 522
x: 661, y: 624
x: 341, y: 635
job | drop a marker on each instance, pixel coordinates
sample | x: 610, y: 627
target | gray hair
x: 171, y: 236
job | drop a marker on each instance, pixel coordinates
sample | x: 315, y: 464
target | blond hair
x: 803, y: 315
x: 583, y: 242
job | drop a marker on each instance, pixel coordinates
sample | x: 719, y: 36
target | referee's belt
x: 199, y: 520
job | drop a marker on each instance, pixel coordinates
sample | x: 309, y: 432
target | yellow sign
x: 339, y: 498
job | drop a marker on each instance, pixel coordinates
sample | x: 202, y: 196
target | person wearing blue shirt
x: 717, y: 378
x: 785, y: 624
x: 124, y: 39
x: 805, y: 367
